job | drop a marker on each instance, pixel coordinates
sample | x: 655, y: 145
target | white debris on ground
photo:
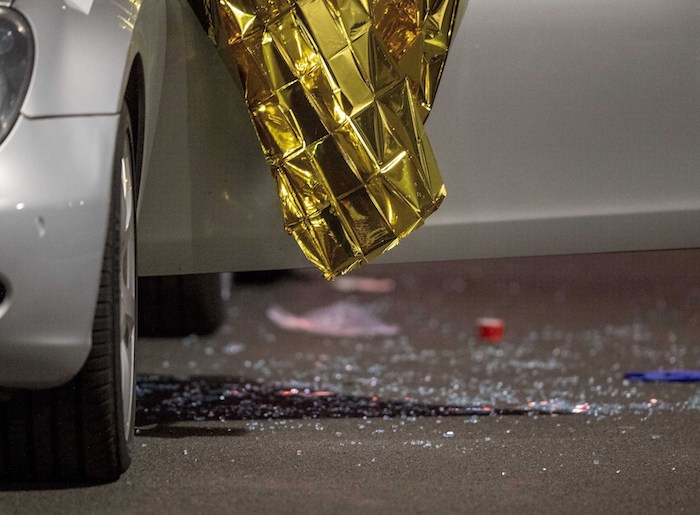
x: 343, y: 319
x: 351, y: 284
x: 233, y: 348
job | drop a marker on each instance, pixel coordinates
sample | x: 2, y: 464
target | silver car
x: 560, y: 128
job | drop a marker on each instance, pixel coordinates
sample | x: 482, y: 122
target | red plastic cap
x: 490, y: 329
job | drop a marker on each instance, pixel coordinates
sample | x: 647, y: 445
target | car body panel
x: 210, y: 201
x: 84, y: 53
x: 56, y: 169
x: 54, y: 213
x: 558, y: 129
x: 567, y: 129
x: 80, y: 58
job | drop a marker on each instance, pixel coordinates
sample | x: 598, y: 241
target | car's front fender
x: 84, y: 50
x: 54, y: 205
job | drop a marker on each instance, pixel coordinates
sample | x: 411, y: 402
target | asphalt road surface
x: 289, y: 408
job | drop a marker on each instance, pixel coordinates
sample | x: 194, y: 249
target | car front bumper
x: 55, y: 177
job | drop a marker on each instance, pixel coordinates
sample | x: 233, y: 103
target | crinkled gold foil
x: 338, y: 91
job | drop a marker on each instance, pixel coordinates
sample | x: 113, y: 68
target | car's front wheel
x: 82, y: 430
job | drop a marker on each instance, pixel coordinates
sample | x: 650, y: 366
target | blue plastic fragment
x: 670, y: 376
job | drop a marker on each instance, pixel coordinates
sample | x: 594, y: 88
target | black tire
x: 76, y: 432
x: 180, y: 305
x: 261, y: 276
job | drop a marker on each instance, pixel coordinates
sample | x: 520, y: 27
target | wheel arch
x: 135, y: 100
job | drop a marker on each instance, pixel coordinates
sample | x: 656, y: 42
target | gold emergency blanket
x: 338, y: 91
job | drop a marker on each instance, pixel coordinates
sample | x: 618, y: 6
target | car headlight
x: 16, y: 61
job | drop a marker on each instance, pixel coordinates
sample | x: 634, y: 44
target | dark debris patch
x: 167, y: 399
